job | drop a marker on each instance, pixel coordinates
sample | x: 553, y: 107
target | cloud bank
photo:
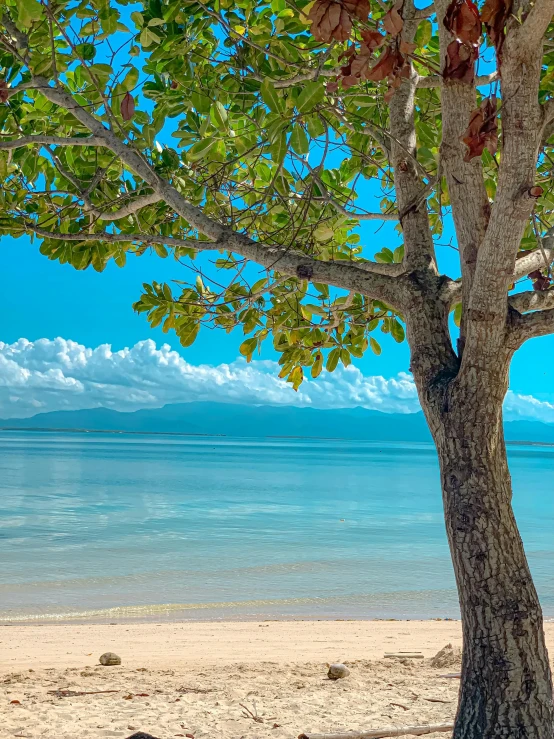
x: 46, y: 375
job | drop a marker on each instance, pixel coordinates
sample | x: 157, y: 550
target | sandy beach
x: 178, y: 679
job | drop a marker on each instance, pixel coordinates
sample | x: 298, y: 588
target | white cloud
x: 48, y: 375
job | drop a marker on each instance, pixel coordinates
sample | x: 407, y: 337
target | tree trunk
x: 506, y: 686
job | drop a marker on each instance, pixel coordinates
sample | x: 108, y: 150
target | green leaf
x: 312, y: 94
x: 28, y: 12
x: 296, y: 377
x: 458, y: 314
x: 131, y: 78
x: 279, y: 149
x: 219, y: 116
x: 200, y: 149
x: 188, y: 334
x: 375, y: 346
x: 317, y: 366
x: 299, y: 140
x: 148, y: 37
x: 424, y: 33
x: 332, y: 360
x: 248, y: 347
x: 397, y: 331
x: 270, y: 96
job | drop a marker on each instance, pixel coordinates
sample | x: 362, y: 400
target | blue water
x: 111, y: 527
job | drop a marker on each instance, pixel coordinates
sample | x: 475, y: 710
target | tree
x: 286, y: 119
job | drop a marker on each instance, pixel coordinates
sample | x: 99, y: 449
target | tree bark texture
x: 506, y: 685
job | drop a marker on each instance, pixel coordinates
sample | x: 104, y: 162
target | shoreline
x: 223, y: 642
x: 172, y: 644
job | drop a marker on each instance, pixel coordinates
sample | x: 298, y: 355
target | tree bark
x: 506, y: 685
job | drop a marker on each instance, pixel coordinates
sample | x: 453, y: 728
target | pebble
x: 110, y: 658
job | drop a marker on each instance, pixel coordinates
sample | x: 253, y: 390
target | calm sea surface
x: 110, y: 527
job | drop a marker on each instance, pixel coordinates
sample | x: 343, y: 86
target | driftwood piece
x: 386, y: 732
x: 403, y: 655
x: 72, y: 693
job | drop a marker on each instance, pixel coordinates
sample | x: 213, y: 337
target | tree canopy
x: 258, y: 131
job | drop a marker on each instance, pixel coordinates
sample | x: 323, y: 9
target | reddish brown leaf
x: 407, y: 48
x: 357, y: 8
x: 460, y: 61
x: 494, y: 15
x: 390, y: 64
x: 383, y: 68
x: 463, y: 22
x: 540, y: 282
x: 128, y: 107
x: 332, y: 87
x: 393, y: 22
x: 3, y: 91
x: 329, y: 21
x: 360, y: 62
x: 482, y: 132
x: 15, y: 703
x: 349, y: 81
x: 373, y: 39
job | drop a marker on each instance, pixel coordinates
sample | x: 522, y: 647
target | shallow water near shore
x: 116, y: 526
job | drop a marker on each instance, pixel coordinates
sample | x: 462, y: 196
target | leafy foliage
x: 272, y: 117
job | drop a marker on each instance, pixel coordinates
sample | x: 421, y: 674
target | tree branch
x: 342, y: 274
x: 533, y: 261
x: 522, y: 130
x: 126, y: 210
x: 465, y: 180
x: 419, y: 251
x: 532, y: 301
x: 530, y: 326
x: 427, y: 12
x: 40, y: 140
x: 529, y: 35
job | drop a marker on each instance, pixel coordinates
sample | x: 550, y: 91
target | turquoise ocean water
x: 108, y: 527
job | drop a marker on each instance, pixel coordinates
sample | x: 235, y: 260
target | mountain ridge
x: 228, y: 419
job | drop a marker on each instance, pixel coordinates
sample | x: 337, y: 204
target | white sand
x: 196, y: 675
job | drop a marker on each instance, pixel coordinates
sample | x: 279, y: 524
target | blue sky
x: 43, y: 300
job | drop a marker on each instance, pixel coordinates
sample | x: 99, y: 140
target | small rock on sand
x: 110, y: 658
x: 141, y: 735
x: 448, y: 656
x: 337, y: 670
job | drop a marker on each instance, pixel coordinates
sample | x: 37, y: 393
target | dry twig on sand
x: 72, y: 693
x: 387, y: 732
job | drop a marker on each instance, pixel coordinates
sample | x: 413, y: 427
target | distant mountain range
x: 214, y: 419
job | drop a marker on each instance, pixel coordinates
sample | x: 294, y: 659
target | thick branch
x: 531, y: 326
x: 532, y: 301
x: 529, y: 35
x: 465, y: 181
x: 533, y: 261
x: 347, y: 275
x: 522, y: 124
x: 425, y: 12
